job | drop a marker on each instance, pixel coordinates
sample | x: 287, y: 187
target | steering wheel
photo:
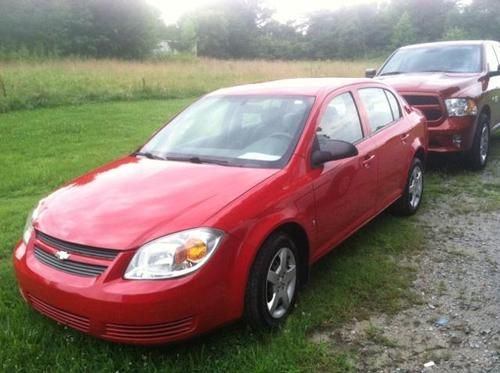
x: 287, y: 136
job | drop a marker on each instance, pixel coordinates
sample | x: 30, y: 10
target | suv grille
x: 429, y: 105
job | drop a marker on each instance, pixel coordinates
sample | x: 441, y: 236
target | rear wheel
x: 478, y: 155
x: 411, y: 199
x: 273, y: 282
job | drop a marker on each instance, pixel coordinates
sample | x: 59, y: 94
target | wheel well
x: 486, y: 110
x: 299, y: 236
x: 420, y: 154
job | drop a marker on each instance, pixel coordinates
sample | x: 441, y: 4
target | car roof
x: 300, y: 86
x: 448, y: 43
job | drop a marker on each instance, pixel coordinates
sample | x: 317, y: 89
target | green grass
x: 44, y: 148
x: 28, y: 85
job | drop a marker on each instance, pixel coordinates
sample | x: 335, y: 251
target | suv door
x: 393, y: 136
x: 345, y: 190
x: 494, y: 84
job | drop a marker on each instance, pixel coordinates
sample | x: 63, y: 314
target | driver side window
x: 340, y: 121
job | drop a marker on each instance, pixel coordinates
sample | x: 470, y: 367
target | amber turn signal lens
x: 195, y: 250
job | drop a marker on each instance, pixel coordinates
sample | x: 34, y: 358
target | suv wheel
x: 478, y: 155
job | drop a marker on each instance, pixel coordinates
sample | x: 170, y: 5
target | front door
x: 345, y: 190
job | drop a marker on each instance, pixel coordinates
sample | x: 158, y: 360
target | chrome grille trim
x: 430, y: 105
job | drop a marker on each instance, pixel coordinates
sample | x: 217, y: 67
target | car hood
x: 134, y: 200
x: 445, y: 84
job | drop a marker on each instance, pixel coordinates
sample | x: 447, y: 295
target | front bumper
x: 441, y: 137
x: 128, y: 311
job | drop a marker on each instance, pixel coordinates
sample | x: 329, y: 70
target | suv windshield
x: 245, y: 131
x: 452, y: 59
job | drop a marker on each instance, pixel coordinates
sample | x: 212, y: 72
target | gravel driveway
x: 455, y: 324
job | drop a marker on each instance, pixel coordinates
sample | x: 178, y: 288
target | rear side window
x: 393, y: 102
x: 340, y: 121
x: 377, y: 107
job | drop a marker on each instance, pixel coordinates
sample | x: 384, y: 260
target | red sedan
x: 222, y: 212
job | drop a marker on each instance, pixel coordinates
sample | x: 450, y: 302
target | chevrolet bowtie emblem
x: 62, y: 255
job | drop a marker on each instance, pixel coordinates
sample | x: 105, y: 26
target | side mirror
x: 493, y: 73
x: 332, y: 150
x: 370, y: 73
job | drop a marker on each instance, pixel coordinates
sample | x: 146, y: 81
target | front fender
x: 250, y: 246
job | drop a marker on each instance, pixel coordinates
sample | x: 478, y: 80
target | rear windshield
x: 452, y: 59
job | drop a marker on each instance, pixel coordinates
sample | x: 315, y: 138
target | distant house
x: 164, y: 47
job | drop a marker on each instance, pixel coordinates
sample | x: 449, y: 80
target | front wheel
x: 409, y: 202
x: 478, y: 155
x: 273, y: 282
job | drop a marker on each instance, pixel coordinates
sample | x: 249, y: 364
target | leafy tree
x: 403, y: 32
x: 98, y: 28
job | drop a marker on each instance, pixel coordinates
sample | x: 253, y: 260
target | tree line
x: 132, y: 29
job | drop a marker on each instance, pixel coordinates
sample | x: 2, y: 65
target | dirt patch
x: 456, y: 323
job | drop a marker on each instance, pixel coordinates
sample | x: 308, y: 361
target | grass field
x: 52, y: 83
x: 41, y: 149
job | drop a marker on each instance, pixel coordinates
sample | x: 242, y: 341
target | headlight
x: 28, y: 227
x: 459, y: 107
x: 174, y: 255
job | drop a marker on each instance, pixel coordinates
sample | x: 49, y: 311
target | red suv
x: 457, y: 87
x: 221, y: 213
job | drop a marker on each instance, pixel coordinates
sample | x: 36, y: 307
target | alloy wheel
x: 281, y: 282
x: 416, y: 186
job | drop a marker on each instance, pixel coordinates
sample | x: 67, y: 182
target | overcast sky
x: 285, y: 9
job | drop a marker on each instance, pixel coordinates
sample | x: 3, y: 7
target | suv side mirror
x: 332, y: 150
x: 494, y: 73
x: 370, y: 73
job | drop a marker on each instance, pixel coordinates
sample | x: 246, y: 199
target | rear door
x: 345, y: 190
x: 393, y: 136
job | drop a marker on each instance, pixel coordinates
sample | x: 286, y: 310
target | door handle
x: 367, y: 160
x: 405, y: 137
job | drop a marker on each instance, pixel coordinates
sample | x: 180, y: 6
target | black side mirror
x: 370, y: 73
x: 332, y: 150
x: 493, y: 73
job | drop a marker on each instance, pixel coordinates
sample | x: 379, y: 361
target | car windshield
x: 245, y: 131
x: 452, y: 59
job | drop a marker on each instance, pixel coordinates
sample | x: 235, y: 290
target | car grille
x: 70, y: 266
x: 430, y: 106
x: 77, y: 322
x: 75, y: 248
x: 149, y: 332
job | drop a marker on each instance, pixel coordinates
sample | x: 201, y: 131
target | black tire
x: 477, y: 157
x: 408, y: 204
x: 257, y: 313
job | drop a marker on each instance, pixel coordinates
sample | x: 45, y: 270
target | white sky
x: 172, y: 10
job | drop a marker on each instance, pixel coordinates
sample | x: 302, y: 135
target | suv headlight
x: 459, y: 107
x: 174, y: 255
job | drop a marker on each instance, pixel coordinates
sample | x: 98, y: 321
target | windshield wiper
x: 392, y: 73
x: 148, y: 155
x: 196, y: 159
